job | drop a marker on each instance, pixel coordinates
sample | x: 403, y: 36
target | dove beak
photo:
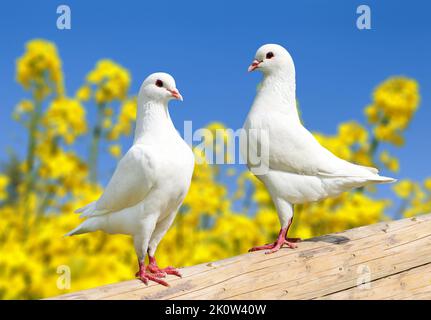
x: 254, y: 65
x: 176, y: 94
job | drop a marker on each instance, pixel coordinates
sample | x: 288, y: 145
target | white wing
x: 293, y: 149
x: 132, y: 180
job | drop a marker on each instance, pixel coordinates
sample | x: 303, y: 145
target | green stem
x: 374, y: 146
x: 30, y: 177
x: 95, y: 142
x: 34, y: 124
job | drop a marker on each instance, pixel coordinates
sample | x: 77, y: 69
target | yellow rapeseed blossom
x: 417, y: 197
x: 404, y: 188
x: 397, y: 96
x: 395, y: 102
x: 115, y: 150
x: 40, y: 65
x: 4, y: 181
x: 352, y: 132
x: 335, y: 145
x: 111, y: 80
x: 83, y: 93
x: 350, y: 143
x: 372, y: 113
x: 390, y: 162
x: 106, y: 123
x: 65, y: 118
x: 56, y: 163
x: 24, y: 107
x: 125, y: 121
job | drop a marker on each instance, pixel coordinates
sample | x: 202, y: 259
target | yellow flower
x: 389, y: 134
x: 83, y: 93
x: 65, y: 118
x: 336, y: 145
x: 115, y: 150
x: 404, y: 188
x: 106, y: 123
x: 22, y: 108
x: 40, y: 65
x: 372, y: 114
x: 395, y: 102
x: 352, y: 132
x: 4, y: 181
x: 111, y: 80
x: 125, y: 121
x: 390, y: 162
x: 25, y: 106
x: 397, y: 95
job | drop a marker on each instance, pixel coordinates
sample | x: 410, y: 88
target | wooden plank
x: 411, y: 284
x: 327, y: 267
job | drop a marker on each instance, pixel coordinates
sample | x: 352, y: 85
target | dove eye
x: 269, y: 55
x: 159, y: 83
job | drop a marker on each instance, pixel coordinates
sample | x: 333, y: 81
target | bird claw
x: 152, y: 272
x: 278, y: 244
x: 145, y: 277
x: 173, y: 271
x: 266, y: 246
x: 290, y: 244
x: 161, y: 273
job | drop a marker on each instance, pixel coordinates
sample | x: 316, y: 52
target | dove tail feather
x: 90, y: 210
x: 382, y: 179
x: 91, y: 206
x: 89, y: 225
x: 77, y: 230
x: 371, y: 169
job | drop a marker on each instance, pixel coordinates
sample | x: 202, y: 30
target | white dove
x: 150, y: 182
x: 298, y: 168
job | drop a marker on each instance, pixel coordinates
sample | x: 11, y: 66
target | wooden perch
x: 383, y: 261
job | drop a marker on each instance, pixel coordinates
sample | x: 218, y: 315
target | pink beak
x: 176, y: 94
x: 254, y: 65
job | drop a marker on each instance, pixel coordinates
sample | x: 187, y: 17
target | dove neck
x: 152, y: 118
x: 278, y: 90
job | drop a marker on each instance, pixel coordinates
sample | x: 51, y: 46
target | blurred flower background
x: 40, y: 191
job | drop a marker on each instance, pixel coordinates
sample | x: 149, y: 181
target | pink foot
x: 161, y: 273
x: 145, y: 277
x: 281, y: 240
x: 278, y: 246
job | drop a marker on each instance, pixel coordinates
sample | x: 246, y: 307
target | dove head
x: 272, y: 59
x: 159, y: 87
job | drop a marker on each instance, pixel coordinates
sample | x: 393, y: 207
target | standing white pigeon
x: 298, y: 168
x: 150, y: 182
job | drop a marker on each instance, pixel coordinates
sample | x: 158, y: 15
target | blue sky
x: 207, y: 46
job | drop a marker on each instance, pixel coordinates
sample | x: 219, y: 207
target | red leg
x: 145, y: 277
x: 281, y: 240
x: 154, y: 268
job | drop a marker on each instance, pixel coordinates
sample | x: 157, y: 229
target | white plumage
x: 150, y: 181
x: 299, y: 169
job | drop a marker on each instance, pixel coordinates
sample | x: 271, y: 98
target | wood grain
x: 388, y: 260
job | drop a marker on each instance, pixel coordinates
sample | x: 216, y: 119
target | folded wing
x: 293, y: 149
x: 132, y: 180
